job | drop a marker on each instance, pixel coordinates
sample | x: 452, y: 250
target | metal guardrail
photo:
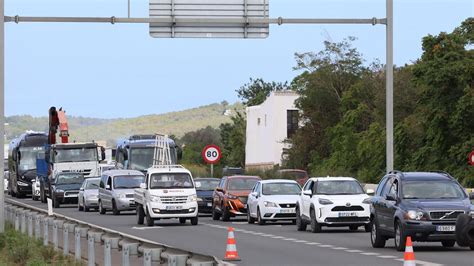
x: 95, y: 244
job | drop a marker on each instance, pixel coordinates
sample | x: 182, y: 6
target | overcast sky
x: 109, y: 71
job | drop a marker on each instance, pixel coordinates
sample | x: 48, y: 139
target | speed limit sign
x: 211, y: 154
x: 471, y: 158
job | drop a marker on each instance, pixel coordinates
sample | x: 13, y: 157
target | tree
x: 233, y: 141
x: 257, y: 90
x: 195, y: 141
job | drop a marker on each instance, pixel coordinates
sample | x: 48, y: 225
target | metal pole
x: 212, y: 170
x: 389, y: 85
x: 2, y: 113
x: 128, y: 8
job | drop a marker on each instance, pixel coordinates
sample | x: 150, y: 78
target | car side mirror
x: 107, y: 187
x: 308, y: 193
x: 81, y: 189
x: 471, y: 196
x: 391, y: 197
x: 142, y: 185
x: 370, y: 192
x: 254, y: 194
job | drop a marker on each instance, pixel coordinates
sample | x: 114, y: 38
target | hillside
x: 86, y: 129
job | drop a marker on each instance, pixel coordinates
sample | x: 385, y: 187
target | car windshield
x: 88, y: 154
x: 28, y: 157
x: 206, y: 184
x: 142, y: 158
x: 281, y: 189
x: 128, y: 181
x: 92, y: 184
x: 432, y: 190
x: 76, y: 178
x: 171, y: 180
x: 242, y: 183
x: 345, y: 187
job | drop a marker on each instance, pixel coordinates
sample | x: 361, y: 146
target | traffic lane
x: 209, y: 239
x: 360, y: 240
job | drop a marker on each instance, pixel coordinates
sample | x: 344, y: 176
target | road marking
x: 240, y: 222
x: 339, y: 248
x: 326, y: 246
x: 353, y: 250
x: 277, y: 237
x: 268, y: 235
x: 289, y: 239
x: 146, y: 228
x: 312, y: 243
x: 370, y: 254
x: 387, y: 257
x: 300, y: 241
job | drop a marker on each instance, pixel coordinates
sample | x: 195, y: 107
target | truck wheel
x: 115, y: 211
x: 182, y: 220
x: 149, y: 221
x: 194, y: 220
x: 215, y: 214
x: 140, y: 215
x: 101, y: 208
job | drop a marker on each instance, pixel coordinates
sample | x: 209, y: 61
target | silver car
x: 88, y: 197
x: 117, y: 190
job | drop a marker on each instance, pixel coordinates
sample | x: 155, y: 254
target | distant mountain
x: 87, y: 129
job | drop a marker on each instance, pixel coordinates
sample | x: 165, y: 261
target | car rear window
x: 432, y: 190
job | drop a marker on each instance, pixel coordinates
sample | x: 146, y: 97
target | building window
x: 258, y: 121
x: 291, y: 122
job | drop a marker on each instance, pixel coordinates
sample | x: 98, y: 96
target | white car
x: 272, y: 200
x: 88, y: 197
x: 333, y: 201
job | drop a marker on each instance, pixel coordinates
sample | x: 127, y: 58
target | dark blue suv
x: 423, y: 205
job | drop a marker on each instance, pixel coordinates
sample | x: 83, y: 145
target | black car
x: 64, y: 188
x: 204, y: 189
x: 423, y: 205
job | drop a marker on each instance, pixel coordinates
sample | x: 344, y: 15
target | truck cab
x: 168, y: 192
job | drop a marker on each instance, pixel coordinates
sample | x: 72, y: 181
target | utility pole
x: 2, y: 113
x: 389, y: 86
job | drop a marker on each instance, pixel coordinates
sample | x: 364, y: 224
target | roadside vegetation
x: 17, y: 249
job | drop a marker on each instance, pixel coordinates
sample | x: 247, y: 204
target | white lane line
x: 289, y: 239
x: 268, y: 235
x: 300, y: 241
x: 353, y: 251
x: 387, y: 257
x: 277, y: 237
x: 312, y: 243
x: 146, y: 228
x: 339, y: 248
x: 370, y: 254
x: 326, y: 246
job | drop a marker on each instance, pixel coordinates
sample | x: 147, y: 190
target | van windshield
x: 128, y: 181
x: 171, y: 180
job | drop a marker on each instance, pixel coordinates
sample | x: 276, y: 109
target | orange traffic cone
x: 409, y: 254
x: 231, y: 249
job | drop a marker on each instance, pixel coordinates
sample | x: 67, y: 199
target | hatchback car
x: 204, y: 189
x: 273, y: 200
x: 89, y: 194
x: 332, y: 202
x: 117, y: 190
x: 423, y: 205
x: 230, y: 197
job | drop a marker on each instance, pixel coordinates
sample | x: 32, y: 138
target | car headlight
x: 230, y: 196
x: 270, y: 204
x: 414, y: 215
x: 325, y: 201
x: 23, y: 184
x: 192, y: 198
x: 199, y: 199
x: 367, y: 200
x: 122, y: 195
x: 155, y: 199
x: 59, y: 191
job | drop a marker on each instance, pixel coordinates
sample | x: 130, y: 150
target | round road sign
x: 211, y: 154
x: 471, y: 158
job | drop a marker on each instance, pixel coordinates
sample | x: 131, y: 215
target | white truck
x: 168, y: 192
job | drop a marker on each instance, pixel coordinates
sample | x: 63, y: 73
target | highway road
x: 272, y: 244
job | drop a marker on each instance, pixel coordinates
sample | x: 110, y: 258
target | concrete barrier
x: 104, y: 246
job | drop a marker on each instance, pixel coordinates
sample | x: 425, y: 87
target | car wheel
x: 250, y: 219
x: 471, y: 246
x: 102, y: 210
x: 182, y: 220
x: 461, y: 233
x: 260, y: 220
x: 400, y: 237
x: 225, y: 213
x: 140, y: 215
x: 300, y: 224
x: 79, y: 207
x: 353, y: 227
x: 115, y: 210
x: 86, y: 208
x: 315, y: 226
x: 215, y: 214
x: 378, y: 241
x: 194, y: 220
x: 56, y: 203
x: 367, y: 227
x: 149, y: 221
x: 448, y: 243
x: 42, y: 195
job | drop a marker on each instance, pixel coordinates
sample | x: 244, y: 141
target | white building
x: 268, y: 126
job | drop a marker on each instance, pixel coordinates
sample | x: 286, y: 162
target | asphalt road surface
x: 271, y: 244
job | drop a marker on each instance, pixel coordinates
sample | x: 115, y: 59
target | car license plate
x: 446, y: 228
x: 173, y: 208
x: 287, y: 211
x: 209, y: 204
x: 347, y: 214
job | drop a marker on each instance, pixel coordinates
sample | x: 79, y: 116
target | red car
x: 300, y: 176
x: 230, y: 197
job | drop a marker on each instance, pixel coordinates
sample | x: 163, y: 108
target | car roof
x: 116, y: 172
x: 93, y: 178
x: 207, y: 178
x: 331, y: 178
x: 424, y: 176
x: 268, y: 181
x: 243, y: 177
